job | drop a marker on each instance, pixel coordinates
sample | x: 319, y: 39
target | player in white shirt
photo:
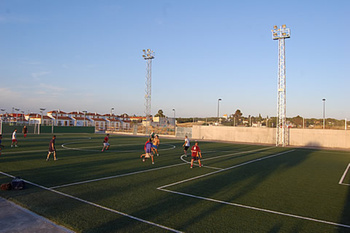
x: 186, y: 145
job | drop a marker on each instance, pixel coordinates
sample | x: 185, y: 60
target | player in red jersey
x: 196, y: 154
x: 105, y: 143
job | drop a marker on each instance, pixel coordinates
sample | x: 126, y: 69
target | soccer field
x: 241, y: 188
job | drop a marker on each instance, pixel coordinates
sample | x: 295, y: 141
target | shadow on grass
x: 345, y: 219
x: 239, y: 183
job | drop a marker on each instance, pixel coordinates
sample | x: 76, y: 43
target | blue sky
x: 87, y: 55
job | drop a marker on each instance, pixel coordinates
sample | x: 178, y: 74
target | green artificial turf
x: 241, y: 188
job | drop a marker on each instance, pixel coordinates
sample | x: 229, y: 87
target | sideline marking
x: 343, y: 177
x: 162, y: 188
x: 97, y: 205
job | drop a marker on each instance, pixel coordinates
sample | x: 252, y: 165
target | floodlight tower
x: 281, y: 34
x: 148, y: 56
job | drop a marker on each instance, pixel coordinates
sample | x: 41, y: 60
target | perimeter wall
x: 296, y: 137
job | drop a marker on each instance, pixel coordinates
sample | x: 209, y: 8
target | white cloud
x: 51, y: 88
x: 37, y: 75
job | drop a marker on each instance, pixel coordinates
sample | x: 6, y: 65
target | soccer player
x: 186, y: 145
x: 1, y: 146
x: 25, y: 131
x: 105, y: 143
x: 52, y: 148
x: 196, y: 154
x: 148, y: 151
x: 155, y: 145
x: 14, y: 138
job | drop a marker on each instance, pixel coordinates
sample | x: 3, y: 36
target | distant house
x: 113, y: 123
x: 60, y: 118
x: 163, y: 121
x: 97, y: 120
x: 125, y: 121
x: 34, y: 118
x: 137, y: 119
x: 80, y: 119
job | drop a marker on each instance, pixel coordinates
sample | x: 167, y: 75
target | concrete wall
x: 296, y: 137
x: 181, y: 132
x: 320, y: 138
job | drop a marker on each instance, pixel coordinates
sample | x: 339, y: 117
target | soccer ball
x: 143, y: 160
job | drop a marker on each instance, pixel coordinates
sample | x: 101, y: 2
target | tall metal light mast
x: 148, y: 56
x: 281, y: 34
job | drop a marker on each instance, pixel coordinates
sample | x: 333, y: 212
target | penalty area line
x: 225, y: 169
x: 162, y: 188
x: 97, y: 205
x: 257, y: 209
x: 344, y: 175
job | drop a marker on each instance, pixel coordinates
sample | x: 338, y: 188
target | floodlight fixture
x: 280, y: 33
x: 148, y: 54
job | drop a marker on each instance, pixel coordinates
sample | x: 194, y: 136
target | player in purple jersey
x: 148, y: 151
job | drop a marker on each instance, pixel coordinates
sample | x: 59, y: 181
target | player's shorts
x: 186, y: 148
x: 148, y: 155
x: 14, y: 140
x: 105, y: 144
x: 195, y: 158
x: 155, y: 147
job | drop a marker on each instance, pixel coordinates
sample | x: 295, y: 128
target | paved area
x: 14, y: 218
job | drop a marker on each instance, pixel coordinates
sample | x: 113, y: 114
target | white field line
x: 27, y: 152
x: 86, y: 148
x: 238, y: 153
x: 225, y: 169
x: 116, y: 176
x: 182, y: 158
x: 246, y: 206
x: 258, y: 209
x: 138, y: 172
x: 343, y: 177
x: 227, y: 155
x: 96, y: 205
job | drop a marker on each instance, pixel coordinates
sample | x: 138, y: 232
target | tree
x: 237, y: 116
x: 298, y: 121
x: 160, y: 113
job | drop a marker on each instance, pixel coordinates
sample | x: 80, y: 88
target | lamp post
x: 84, y: 116
x: 324, y: 113
x: 39, y: 126
x: 54, y: 120
x: 17, y: 110
x: 174, y: 121
x: 218, y: 109
x: 2, y: 110
x: 110, y: 118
